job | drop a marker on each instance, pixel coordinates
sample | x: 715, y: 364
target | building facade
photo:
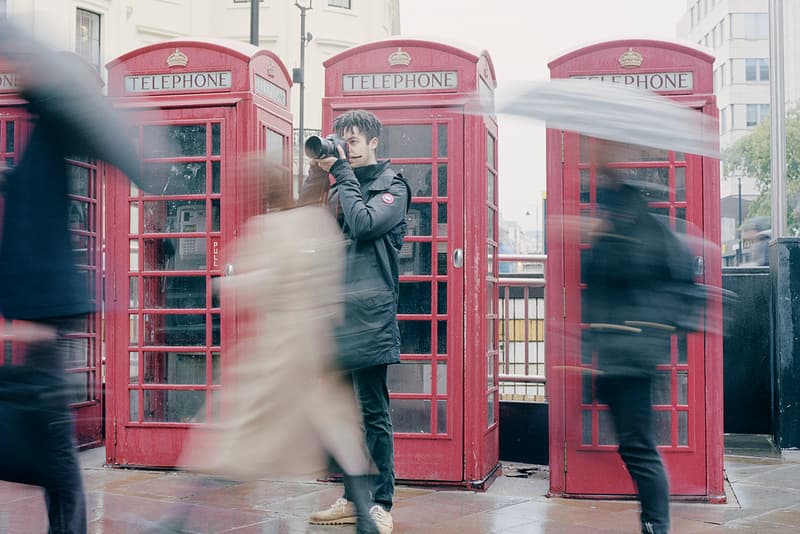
x: 101, y: 30
x: 736, y: 32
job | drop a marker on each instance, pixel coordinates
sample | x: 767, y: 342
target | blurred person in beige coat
x: 285, y: 409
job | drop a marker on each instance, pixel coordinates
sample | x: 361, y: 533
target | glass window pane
x: 216, y: 331
x: 607, y: 434
x: 490, y: 189
x: 175, y: 292
x: 490, y: 151
x: 82, y: 249
x: 441, y: 417
x: 215, y: 368
x: 680, y: 184
x: 133, y: 405
x: 415, y: 297
x: 174, y: 254
x: 133, y: 360
x: 763, y: 70
x: 78, y: 180
x: 418, y: 219
x: 441, y: 259
x: 441, y: 338
x: 215, y: 215
x: 585, y: 184
x: 177, y: 178
x: 586, y: 347
x: 175, y: 329
x: 10, y: 136
x: 174, y: 140
x: 415, y: 337
x: 441, y: 378
x: 683, y: 428
x: 174, y: 368
x: 133, y: 328
x: 750, y: 69
x: 410, y: 377
x: 490, y: 224
x: 134, y: 218
x: 418, y: 261
x: 662, y: 388
x: 441, y: 219
x: 653, y: 182
x: 215, y: 140
x: 413, y: 416
x: 683, y: 353
x: 680, y: 220
x: 441, y: 297
x: 418, y: 176
x: 586, y: 427
x: 174, y: 406
x: 174, y: 216
x: 441, y: 177
x: 134, y: 256
x: 406, y: 141
x: 490, y: 419
x: 133, y: 292
x: 663, y: 426
x: 77, y: 353
x: 442, y: 141
x: 683, y: 388
x: 215, y: 176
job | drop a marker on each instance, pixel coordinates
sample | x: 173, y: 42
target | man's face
x: 361, y: 150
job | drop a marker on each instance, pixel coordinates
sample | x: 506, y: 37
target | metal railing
x: 521, y: 332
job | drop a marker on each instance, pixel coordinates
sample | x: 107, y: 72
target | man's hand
x: 326, y: 163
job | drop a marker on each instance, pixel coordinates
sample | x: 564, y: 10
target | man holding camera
x: 370, y: 202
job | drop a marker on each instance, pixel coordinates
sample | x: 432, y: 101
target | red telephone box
x: 687, y: 391
x: 444, y: 395
x: 197, y: 108
x: 85, y: 216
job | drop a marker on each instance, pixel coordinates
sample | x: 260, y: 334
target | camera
x: 317, y: 147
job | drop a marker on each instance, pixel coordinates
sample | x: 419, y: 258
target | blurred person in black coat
x: 42, y: 290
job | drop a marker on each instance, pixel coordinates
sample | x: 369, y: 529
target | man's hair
x: 366, y: 122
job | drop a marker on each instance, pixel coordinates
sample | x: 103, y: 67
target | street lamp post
x: 739, y: 226
x: 254, y: 8
x: 299, y: 78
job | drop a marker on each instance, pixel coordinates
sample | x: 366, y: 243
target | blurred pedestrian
x: 370, y: 201
x: 42, y: 291
x: 639, y: 280
x: 284, y: 405
x: 758, y: 231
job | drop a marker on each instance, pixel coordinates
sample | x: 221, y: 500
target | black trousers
x: 629, y: 401
x: 37, y: 445
x: 373, y: 395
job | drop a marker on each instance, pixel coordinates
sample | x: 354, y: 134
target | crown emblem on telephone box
x: 177, y: 59
x: 630, y: 59
x: 399, y: 57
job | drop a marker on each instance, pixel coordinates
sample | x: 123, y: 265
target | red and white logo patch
x: 387, y: 198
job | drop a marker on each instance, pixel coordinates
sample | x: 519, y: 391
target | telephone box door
x: 426, y: 147
x: 671, y: 182
x: 165, y: 268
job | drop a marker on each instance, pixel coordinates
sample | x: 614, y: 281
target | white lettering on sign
x: 652, y: 81
x: 185, y: 81
x: 401, y: 81
x: 8, y: 81
x: 270, y: 90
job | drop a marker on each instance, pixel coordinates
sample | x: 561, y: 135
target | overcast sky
x: 522, y: 36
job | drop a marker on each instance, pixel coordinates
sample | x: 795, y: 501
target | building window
x: 723, y: 75
x: 756, y: 70
x: 722, y: 28
x: 756, y: 113
x: 87, y: 37
x: 344, y: 4
x: 756, y: 26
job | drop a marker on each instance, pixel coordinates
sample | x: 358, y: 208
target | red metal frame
x: 695, y: 469
x: 467, y: 453
x: 236, y: 116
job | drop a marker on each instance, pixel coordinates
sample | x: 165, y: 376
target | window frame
x: 97, y: 23
x: 338, y: 4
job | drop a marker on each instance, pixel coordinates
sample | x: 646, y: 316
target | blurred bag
x: 683, y: 301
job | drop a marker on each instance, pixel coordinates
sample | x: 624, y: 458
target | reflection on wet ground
x: 763, y: 496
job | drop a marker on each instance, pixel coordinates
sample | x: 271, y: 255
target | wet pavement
x: 763, y: 497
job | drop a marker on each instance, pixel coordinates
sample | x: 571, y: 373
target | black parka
x: 370, y: 204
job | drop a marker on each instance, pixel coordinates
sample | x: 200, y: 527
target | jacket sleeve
x: 372, y: 218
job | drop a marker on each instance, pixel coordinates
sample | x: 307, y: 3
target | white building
x: 101, y: 30
x: 736, y: 32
